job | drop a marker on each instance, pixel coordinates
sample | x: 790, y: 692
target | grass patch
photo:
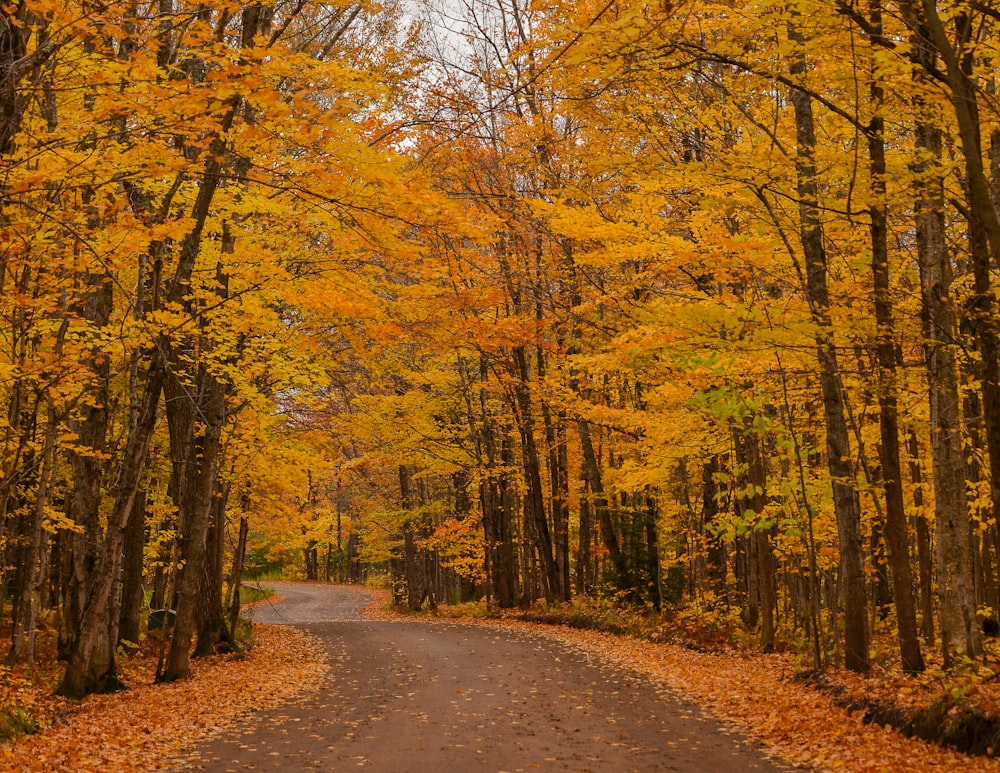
x: 250, y: 594
x: 15, y: 722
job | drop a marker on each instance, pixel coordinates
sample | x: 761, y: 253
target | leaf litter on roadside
x: 148, y: 726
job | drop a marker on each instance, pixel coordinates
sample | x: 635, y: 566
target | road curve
x: 415, y: 697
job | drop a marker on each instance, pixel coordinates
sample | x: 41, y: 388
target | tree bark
x: 196, y: 413
x: 132, y: 573
x: 213, y: 634
x: 534, y: 499
x: 606, y: 526
x: 838, y: 445
x: 80, y: 677
x: 959, y: 629
x: 896, y: 533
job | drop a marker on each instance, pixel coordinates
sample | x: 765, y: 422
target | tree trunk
x: 765, y: 570
x: 838, y: 445
x: 34, y: 567
x: 896, y: 534
x: 534, y: 498
x: 925, y: 560
x: 558, y: 463
x: 196, y: 413
x: 959, y: 629
x: 715, y: 544
x: 584, y: 558
x: 651, y: 527
x: 213, y: 634
x: 81, y: 676
x: 609, y: 536
x: 132, y: 574
x: 236, y: 577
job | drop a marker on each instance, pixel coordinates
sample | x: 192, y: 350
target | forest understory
x: 813, y: 720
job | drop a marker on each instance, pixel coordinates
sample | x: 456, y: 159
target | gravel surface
x: 414, y: 696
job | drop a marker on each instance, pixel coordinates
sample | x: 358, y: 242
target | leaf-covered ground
x: 147, y: 727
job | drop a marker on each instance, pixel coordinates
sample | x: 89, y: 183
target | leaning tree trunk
x: 606, y: 527
x: 213, y: 633
x: 236, y: 576
x: 34, y: 567
x: 558, y: 463
x: 82, y: 676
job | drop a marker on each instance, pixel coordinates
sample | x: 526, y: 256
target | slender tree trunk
x: 838, y: 446
x: 715, y: 555
x: 925, y: 560
x: 213, y: 634
x: 959, y: 628
x: 534, y: 498
x: 584, y: 559
x: 195, y: 420
x: 765, y: 571
x: 34, y: 569
x: 609, y: 536
x: 896, y: 534
x: 132, y: 573
x: 236, y: 577
x: 558, y: 462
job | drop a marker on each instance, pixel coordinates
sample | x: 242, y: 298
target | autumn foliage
x: 686, y: 305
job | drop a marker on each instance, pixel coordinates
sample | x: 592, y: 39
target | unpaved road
x: 410, y: 697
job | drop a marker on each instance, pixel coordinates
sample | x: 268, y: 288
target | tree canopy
x: 688, y: 304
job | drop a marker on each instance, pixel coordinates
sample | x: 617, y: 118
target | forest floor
x: 147, y: 726
x: 807, y: 722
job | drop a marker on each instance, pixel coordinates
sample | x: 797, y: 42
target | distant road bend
x: 410, y: 697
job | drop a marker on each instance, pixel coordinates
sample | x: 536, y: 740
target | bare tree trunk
x: 584, y: 559
x: 609, y: 537
x: 925, y: 560
x: 715, y: 554
x: 34, y: 569
x: 213, y: 633
x: 766, y: 581
x: 558, y: 463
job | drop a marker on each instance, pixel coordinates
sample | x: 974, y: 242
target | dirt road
x: 406, y: 696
